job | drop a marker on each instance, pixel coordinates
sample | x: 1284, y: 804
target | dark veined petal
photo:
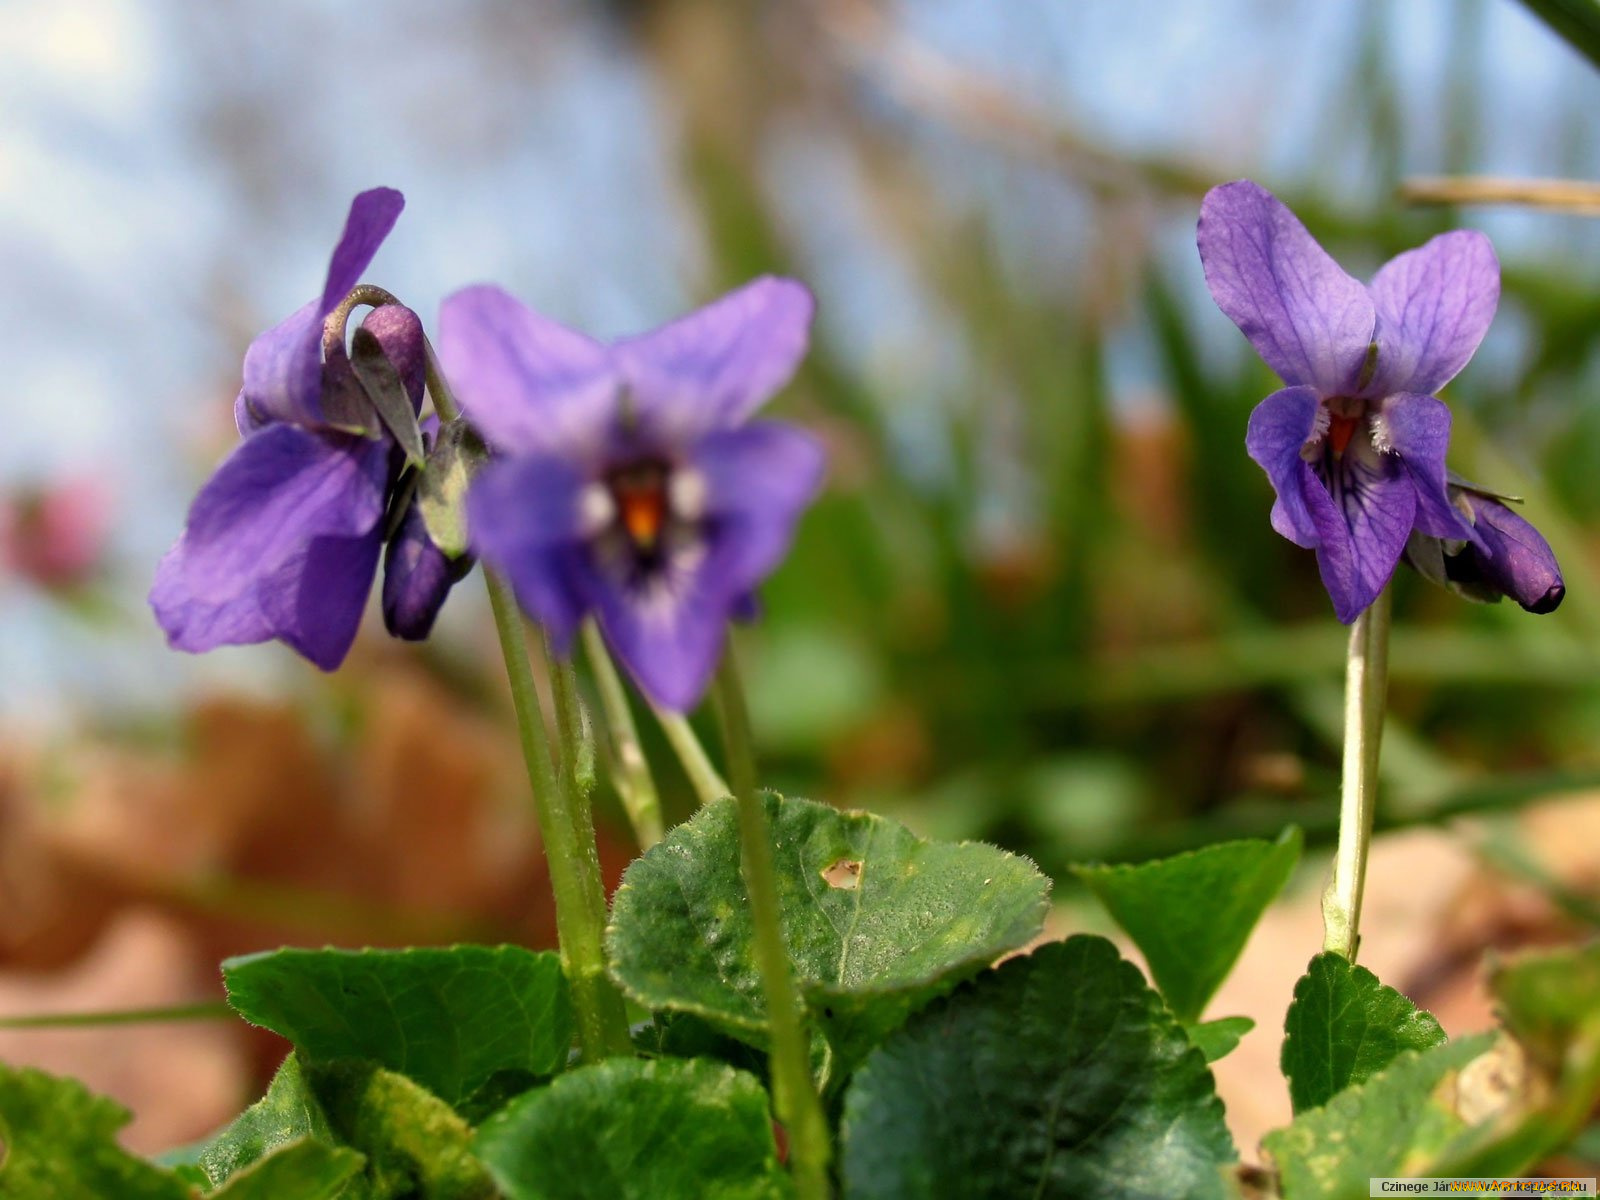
x: 1512, y: 556
x: 1434, y: 305
x: 1417, y: 428
x: 283, y: 366
x: 713, y: 368
x: 758, y: 481
x: 1309, y: 321
x: 528, y: 384
x: 523, y: 517
x: 1280, y: 425
x: 1363, y: 506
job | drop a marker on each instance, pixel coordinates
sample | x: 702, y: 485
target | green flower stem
x: 703, y: 777
x: 634, y: 783
x: 569, y: 847
x: 1366, y: 690
x: 205, y: 1011
x: 794, y: 1094
x: 560, y: 804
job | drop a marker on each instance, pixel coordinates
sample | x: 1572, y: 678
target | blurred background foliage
x: 1040, y: 602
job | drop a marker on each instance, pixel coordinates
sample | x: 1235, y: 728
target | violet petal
x: 759, y: 479
x: 523, y: 515
x: 1279, y: 426
x: 713, y: 368
x: 528, y: 384
x: 283, y: 366
x: 1310, y: 321
x: 1418, y: 429
x: 1363, y: 511
x: 1434, y: 305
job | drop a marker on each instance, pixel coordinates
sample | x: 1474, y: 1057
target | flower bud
x: 1513, y: 559
x: 417, y: 576
x: 1517, y: 561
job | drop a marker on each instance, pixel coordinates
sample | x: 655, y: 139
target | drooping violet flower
x: 1511, y: 557
x: 1355, y: 444
x: 283, y: 540
x: 629, y: 483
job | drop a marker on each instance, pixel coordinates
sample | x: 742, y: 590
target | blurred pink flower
x: 54, y: 534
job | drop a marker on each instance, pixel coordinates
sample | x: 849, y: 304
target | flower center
x: 1346, y: 414
x: 640, y: 493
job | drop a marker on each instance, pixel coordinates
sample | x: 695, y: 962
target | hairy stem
x: 568, y: 843
x: 1366, y: 689
x: 794, y: 1094
x: 703, y: 777
x: 561, y: 806
x: 631, y: 770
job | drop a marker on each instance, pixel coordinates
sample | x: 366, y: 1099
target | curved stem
x: 703, y: 777
x: 794, y: 1093
x: 560, y: 805
x: 569, y: 847
x: 203, y: 1011
x: 631, y: 770
x: 1366, y: 691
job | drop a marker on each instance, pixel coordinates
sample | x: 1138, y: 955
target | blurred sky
x: 172, y: 176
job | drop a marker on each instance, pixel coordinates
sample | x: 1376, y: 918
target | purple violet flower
x: 1355, y: 444
x: 628, y: 482
x: 283, y: 540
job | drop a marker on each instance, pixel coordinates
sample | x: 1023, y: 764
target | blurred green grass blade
x: 1577, y: 22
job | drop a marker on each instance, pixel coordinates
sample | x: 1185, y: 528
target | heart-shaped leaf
x: 1190, y: 915
x: 1058, y: 1074
x: 630, y: 1128
x: 448, y: 1018
x: 1343, y: 1027
x: 877, y: 921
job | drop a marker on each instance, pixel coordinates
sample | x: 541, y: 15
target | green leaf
x: 306, y: 1169
x: 877, y: 921
x: 1058, y: 1074
x: 448, y: 1018
x: 1190, y: 943
x: 60, y: 1140
x: 387, y: 392
x: 1217, y: 1039
x: 286, y: 1114
x: 1550, y: 1000
x: 453, y: 459
x: 1545, y: 1094
x: 1392, y: 1124
x: 1343, y: 1026
x: 633, y: 1128
x: 413, y: 1142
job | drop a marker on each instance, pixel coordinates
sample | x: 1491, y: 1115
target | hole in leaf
x: 844, y: 874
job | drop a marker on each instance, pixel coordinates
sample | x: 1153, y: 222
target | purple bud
x: 417, y: 576
x: 1516, y: 560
